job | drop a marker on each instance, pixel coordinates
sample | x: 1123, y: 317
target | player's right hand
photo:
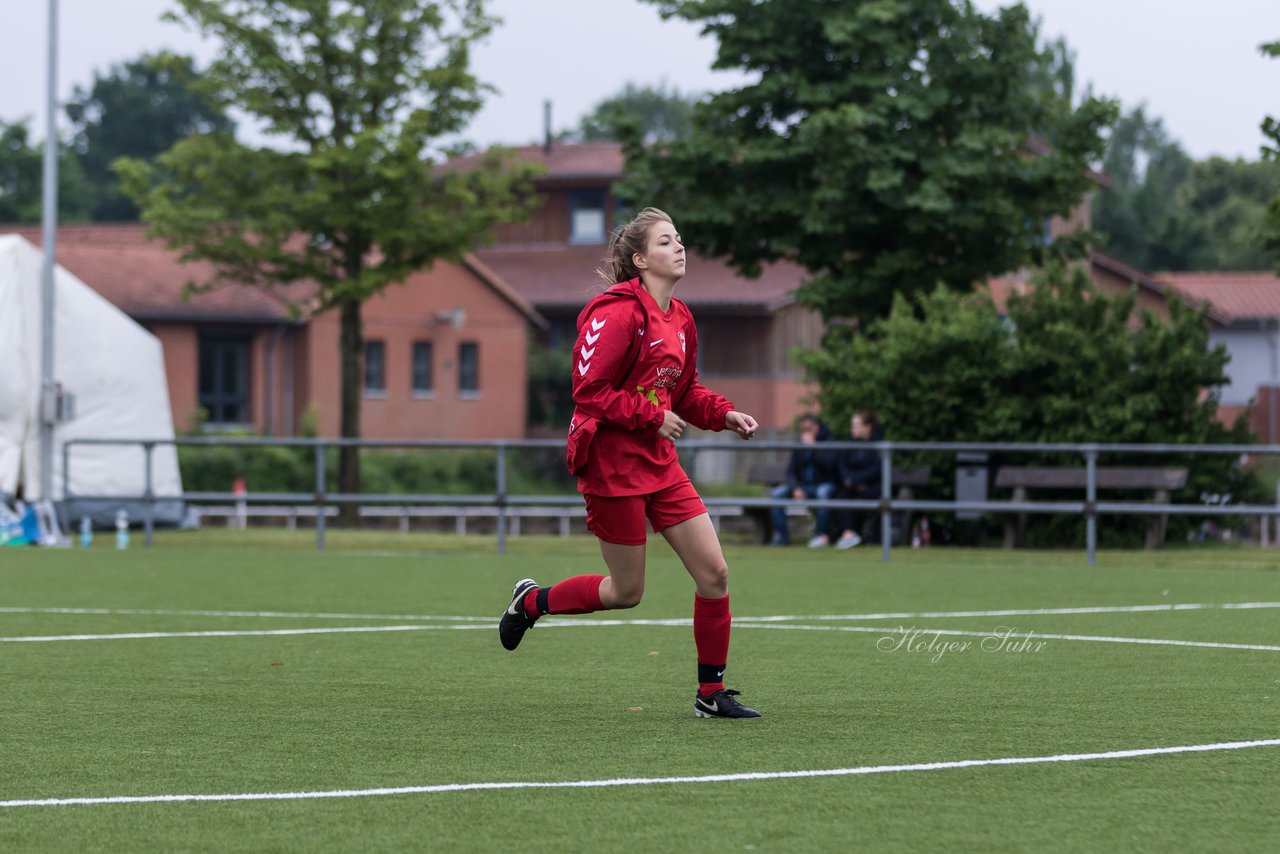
x: 672, y: 426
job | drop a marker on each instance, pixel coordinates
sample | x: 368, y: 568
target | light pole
x: 48, y: 388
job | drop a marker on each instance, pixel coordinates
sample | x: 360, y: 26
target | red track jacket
x: 632, y: 361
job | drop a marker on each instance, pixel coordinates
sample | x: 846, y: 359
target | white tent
x: 112, y: 366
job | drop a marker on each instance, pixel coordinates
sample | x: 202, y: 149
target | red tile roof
x: 145, y: 280
x: 554, y: 276
x: 1001, y: 287
x: 1240, y: 296
x: 564, y: 161
x: 479, y: 269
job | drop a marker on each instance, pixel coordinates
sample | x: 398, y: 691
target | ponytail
x: 626, y: 241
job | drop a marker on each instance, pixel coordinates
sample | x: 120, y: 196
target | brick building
x: 445, y: 352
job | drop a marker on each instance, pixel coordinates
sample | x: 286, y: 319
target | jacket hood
x: 622, y: 290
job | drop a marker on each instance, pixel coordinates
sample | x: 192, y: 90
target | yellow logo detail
x: 651, y: 395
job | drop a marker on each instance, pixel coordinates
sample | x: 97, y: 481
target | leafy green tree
x: 139, y: 109
x: 358, y: 94
x: 1165, y: 211
x: 659, y: 114
x: 1226, y: 200
x: 884, y: 145
x: 946, y: 367
x: 1053, y: 68
x: 550, y: 398
x: 1138, y: 215
x: 1271, y: 153
x: 22, y: 179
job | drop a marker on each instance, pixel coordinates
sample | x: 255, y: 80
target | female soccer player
x: 635, y: 388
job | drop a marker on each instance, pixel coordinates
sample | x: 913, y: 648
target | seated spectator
x: 811, y: 473
x: 859, y: 472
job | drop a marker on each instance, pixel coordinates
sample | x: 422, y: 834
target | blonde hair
x: 628, y: 240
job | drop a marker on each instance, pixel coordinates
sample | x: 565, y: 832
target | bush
x: 1068, y: 364
x: 389, y: 472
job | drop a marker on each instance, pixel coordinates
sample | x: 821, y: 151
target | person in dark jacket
x: 859, y: 475
x: 811, y: 473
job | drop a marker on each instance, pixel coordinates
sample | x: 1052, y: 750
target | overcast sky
x: 1194, y: 63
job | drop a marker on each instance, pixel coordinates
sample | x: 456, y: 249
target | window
x: 375, y: 368
x: 586, y: 224
x: 423, y: 380
x: 224, y: 378
x: 562, y: 333
x: 469, y: 368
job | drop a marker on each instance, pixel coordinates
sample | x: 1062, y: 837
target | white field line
x: 897, y: 615
x: 916, y: 633
x: 489, y: 625
x: 1032, y: 612
x: 296, y: 615
x: 579, y: 623
x: 232, y: 634
x: 752, y: 776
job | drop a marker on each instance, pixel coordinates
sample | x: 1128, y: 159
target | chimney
x: 546, y: 126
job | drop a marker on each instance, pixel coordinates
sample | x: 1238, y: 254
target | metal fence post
x: 1090, y: 505
x: 149, y: 496
x: 66, y: 472
x: 320, y: 477
x: 1275, y: 519
x: 886, y: 517
x: 502, y: 498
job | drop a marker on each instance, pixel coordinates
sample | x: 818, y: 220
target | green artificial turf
x: 360, y: 710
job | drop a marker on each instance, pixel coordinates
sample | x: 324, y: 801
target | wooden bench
x: 238, y: 515
x: 1161, y: 481
x: 906, y: 481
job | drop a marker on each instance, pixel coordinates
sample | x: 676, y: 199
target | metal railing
x: 1091, y: 508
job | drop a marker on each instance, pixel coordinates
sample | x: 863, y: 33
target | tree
x: 22, y: 178
x: 138, y: 109
x: 1139, y: 214
x: 1053, y: 68
x: 1031, y: 376
x: 1165, y: 211
x: 1226, y: 203
x: 358, y: 92
x: 550, y: 398
x: 886, y: 145
x: 946, y: 367
x: 659, y: 115
x: 1271, y: 153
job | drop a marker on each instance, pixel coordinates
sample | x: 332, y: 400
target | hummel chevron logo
x: 655, y: 343
x: 584, y: 363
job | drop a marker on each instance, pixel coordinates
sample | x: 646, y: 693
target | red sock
x: 711, y: 621
x: 577, y: 595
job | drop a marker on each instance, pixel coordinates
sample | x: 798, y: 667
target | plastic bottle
x: 86, y: 531
x: 122, y: 528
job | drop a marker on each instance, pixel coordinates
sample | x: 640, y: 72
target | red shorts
x: 620, y: 519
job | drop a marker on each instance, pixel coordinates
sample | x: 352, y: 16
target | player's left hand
x: 741, y: 423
